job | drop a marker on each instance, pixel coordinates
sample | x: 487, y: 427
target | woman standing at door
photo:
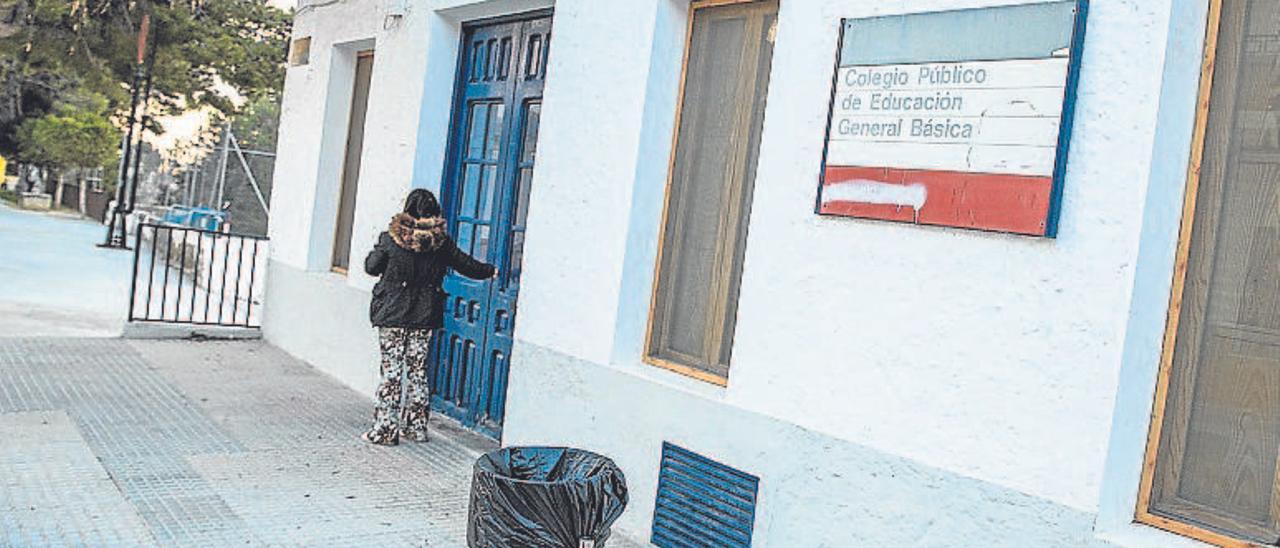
x: 410, y: 258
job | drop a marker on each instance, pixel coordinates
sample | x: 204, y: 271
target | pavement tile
x: 183, y: 443
x: 53, y: 491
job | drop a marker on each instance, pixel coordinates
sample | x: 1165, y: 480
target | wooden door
x: 350, y: 182
x: 1218, y: 424
x: 498, y: 105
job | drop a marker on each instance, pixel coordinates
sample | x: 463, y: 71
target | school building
x: 823, y: 272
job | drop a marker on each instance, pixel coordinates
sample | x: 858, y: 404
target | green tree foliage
x: 256, y: 124
x: 206, y: 52
x: 73, y: 136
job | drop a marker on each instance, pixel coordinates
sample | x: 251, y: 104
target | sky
x: 283, y: 4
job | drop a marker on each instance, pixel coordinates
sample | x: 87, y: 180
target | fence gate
x: 192, y: 276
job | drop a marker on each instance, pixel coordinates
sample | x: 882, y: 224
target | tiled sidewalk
x: 113, y: 442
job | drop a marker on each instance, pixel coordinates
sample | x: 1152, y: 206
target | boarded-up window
x: 300, y: 51
x: 708, y: 202
x: 1217, y: 432
x: 351, y: 162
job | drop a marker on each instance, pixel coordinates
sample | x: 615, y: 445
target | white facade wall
x: 890, y: 384
x: 319, y: 315
x: 327, y: 331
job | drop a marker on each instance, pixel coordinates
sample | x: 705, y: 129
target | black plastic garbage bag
x: 544, y: 497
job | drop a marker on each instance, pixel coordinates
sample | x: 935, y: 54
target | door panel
x: 1216, y: 462
x: 340, y: 259
x: 487, y: 184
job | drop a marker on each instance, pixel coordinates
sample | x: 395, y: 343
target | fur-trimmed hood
x: 417, y: 235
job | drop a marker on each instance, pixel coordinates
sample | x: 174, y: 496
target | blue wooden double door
x: 492, y: 145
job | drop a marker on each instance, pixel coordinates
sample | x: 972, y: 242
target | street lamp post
x: 127, y: 183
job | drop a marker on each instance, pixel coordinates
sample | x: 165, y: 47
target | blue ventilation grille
x: 702, y: 502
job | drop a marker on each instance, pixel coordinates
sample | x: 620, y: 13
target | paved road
x: 54, y: 281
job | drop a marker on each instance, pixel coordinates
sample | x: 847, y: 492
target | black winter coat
x: 409, y: 292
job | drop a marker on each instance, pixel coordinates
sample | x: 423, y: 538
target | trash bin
x: 551, y: 497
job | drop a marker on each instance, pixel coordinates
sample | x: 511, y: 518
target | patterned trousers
x: 402, y: 410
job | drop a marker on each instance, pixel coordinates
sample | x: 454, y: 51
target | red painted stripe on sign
x: 984, y: 201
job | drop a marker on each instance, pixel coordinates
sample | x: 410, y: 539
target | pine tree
x: 207, y: 52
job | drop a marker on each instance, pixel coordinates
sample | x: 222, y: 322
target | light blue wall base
x: 318, y: 318
x: 815, y: 490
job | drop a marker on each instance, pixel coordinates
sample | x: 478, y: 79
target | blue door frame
x: 489, y: 168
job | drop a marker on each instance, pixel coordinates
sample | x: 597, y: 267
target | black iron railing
x: 193, y: 276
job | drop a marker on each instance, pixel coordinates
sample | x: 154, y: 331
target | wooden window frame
x: 337, y: 228
x: 646, y: 356
x: 1181, y: 264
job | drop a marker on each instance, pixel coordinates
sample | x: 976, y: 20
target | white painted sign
x: 954, y: 118
x: 999, y: 117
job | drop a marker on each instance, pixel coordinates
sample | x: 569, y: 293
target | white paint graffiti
x: 863, y: 191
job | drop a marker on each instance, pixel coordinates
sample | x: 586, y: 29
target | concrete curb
x: 153, y: 331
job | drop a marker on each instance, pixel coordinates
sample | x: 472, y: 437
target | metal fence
x: 224, y: 177
x: 185, y: 275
